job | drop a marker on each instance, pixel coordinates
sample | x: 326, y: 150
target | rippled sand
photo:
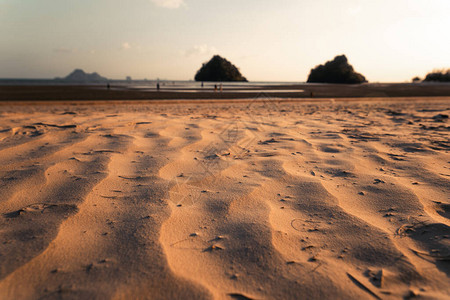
x: 252, y: 200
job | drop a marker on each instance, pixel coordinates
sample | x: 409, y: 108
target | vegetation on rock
x: 336, y: 71
x: 441, y: 76
x: 219, y: 69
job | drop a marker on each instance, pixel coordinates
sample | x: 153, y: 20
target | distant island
x: 435, y: 76
x: 79, y: 75
x: 336, y: 71
x: 219, y: 69
x: 439, y: 76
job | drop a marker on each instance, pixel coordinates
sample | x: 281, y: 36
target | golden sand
x: 240, y: 200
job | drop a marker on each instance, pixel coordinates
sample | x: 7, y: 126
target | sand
x: 233, y: 200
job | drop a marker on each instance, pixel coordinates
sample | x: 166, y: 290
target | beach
x: 51, y: 90
x: 264, y: 198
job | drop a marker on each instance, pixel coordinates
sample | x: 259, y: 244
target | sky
x: 268, y: 40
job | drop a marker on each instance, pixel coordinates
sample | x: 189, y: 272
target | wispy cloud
x: 169, y: 3
x: 63, y: 50
x: 198, y: 50
x: 354, y: 10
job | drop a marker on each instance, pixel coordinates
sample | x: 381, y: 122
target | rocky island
x: 337, y: 70
x: 219, y: 69
x: 80, y: 76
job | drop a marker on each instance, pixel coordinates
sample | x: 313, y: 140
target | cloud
x: 169, y: 3
x: 199, y: 50
x: 63, y: 50
x: 67, y: 51
x: 125, y: 46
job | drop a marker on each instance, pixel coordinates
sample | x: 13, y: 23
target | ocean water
x: 143, y: 83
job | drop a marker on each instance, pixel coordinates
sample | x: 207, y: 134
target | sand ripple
x: 257, y: 200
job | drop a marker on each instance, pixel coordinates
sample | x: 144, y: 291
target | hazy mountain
x: 79, y: 75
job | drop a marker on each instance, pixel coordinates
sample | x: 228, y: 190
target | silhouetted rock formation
x: 79, y: 75
x: 219, y: 69
x: 441, y: 76
x: 336, y: 71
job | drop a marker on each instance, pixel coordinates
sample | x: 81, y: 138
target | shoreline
x: 304, y: 91
x: 223, y: 101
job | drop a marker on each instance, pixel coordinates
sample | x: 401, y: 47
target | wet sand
x: 257, y: 199
x: 123, y: 92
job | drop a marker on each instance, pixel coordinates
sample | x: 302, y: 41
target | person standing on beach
x: 157, y: 86
x: 215, y: 88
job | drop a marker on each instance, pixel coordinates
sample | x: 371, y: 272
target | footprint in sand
x: 443, y: 209
x: 40, y: 208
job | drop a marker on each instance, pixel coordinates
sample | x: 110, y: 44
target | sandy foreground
x: 240, y: 200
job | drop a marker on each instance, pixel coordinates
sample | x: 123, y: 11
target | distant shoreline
x: 309, y: 101
x: 295, y: 91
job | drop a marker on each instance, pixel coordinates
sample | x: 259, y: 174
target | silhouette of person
x: 108, y: 86
x: 202, y: 83
x: 215, y: 88
x: 157, y: 86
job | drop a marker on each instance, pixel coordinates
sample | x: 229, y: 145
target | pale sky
x: 269, y: 40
